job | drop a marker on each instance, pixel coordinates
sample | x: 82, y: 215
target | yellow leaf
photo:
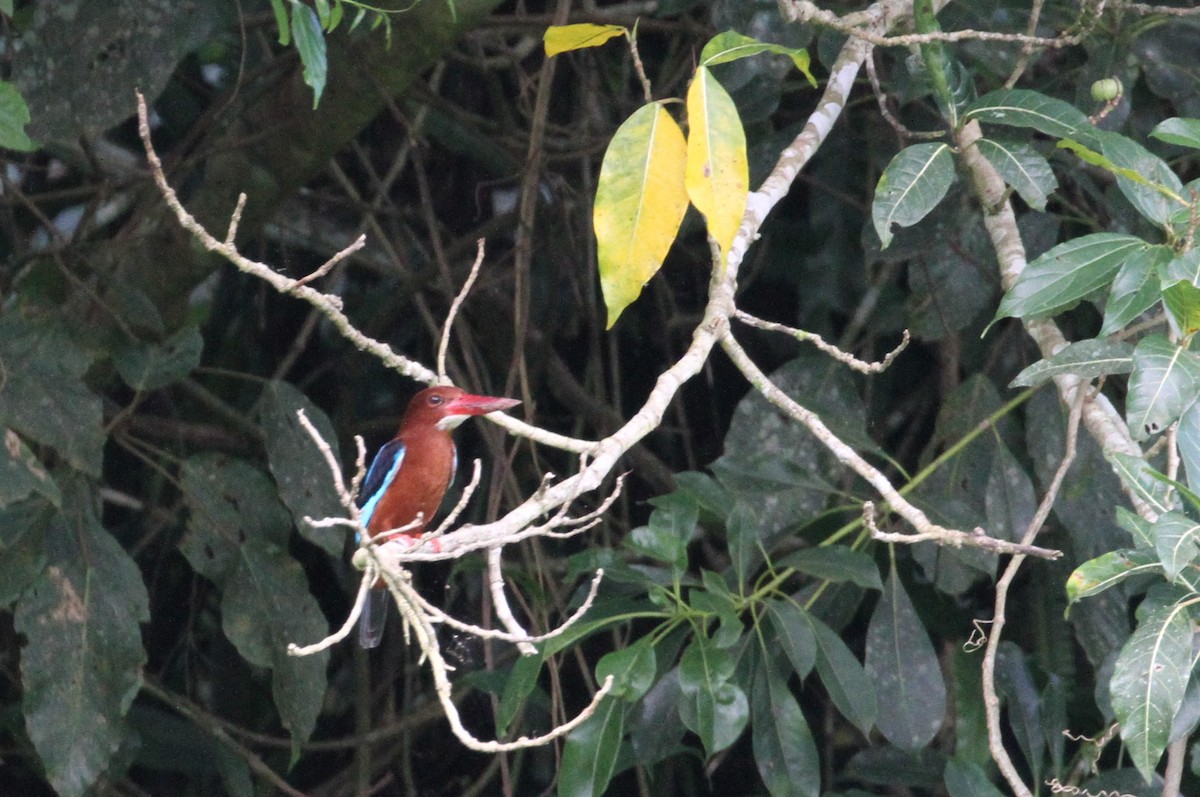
x: 640, y: 202
x: 718, y: 179
x: 564, y: 38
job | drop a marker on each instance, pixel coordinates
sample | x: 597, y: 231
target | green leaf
x: 1135, y: 289
x: 229, y: 502
x: 23, y: 530
x: 848, y: 685
x: 967, y: 779
x: 14, y: 115
x: 732, y: 46
x: 672, y: 526
x: 1177, y: 542
x: 305, y: 482
x: 710, y: 705
x: 310, y: 43
x: 1144, y: 178
x: 1009, y: 498
x: 322, y: 7
x: 912, y: 185
x: 784, y: 750
x: 265, y: 606
x: 1024, y: 108
x: 1108, y: 570
x: 717, y: 175
x: 22, y: 474
x: 834, y: 563
x: 1181, y: 132
x: 281, y: 22
x: 522, y: 680
x: 794, y: 634
x: 716, y: 599
x: 82, y: 665
x: 1143, y: 481
x: 43, y: 395
x: 1165, y: 380
x: 1022, y: 167
x: 633, y: 669
x: 565, y: 38
x: 1180, y: 280
x: 1150, y: 678
x: 1067, y: 273
x: 150, y: 366
x: 903, y: 665
x: 1187, y: 438
x: 640, y: 202
x: 1086, y: 358
x: 590, y: 753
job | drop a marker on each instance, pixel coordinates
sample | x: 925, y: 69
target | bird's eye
x: 435, y: 400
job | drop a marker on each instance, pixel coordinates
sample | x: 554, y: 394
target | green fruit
x: 1106, y: 90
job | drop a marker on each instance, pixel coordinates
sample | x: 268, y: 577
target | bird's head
x: 446, y: 407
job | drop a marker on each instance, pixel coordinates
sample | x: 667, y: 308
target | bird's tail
x: 374, y: 617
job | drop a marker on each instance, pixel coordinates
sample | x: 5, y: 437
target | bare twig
x: 454, y: 306
x: 833, y: 351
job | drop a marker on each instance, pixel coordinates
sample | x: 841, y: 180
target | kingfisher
x: 409, y: 476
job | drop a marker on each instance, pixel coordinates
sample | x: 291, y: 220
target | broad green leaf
x: 301, y: 472
x: 1024, y: 108
x: 1165, y: 380
x: 564, y: 38
x: 731, y: 46
x: 1067, y: 273
x: 229, y: 501
x: 1009, y: 498
x: 848, y: 685
x: 1135, y: 289
x: 717, y: 599
x: 1016, y: 688
x: 1139, y: 529
x: 1180, y: 280
x: 1177, y: 542
x: 711, y: 705
x: 834, y: 563
x: 22, y: 474
x: 522, y: 680
x: 14, y: 115
x: 23, y: 530
x: 1108, y: 570
x: 322, y: 7
x: 43, y: 395
x: 912, y: 185
x: 903, y: 666
x: 717, y: 177
x: 744, y: 537
x: 671, y: 527
x: 1150, y: 678
x: 310, y: 43
x: 1022, y: 167
x: 265, y: 606
x: 590, y: 753
x: 640, y: 202
x: 281, y: 22
x: 1086, y: 358
x: 1143, y: 481
x: 1187, y: 438
x: 1144, y: 178
x: 794, y: 633
x: 967, y: 779
x: 150, y: 366
x: 1182, y: 132
x: 633, y: 669
x: 783, y: 745
x: 81, y: 667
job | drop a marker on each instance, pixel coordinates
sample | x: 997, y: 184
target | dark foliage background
x: 151, y: 382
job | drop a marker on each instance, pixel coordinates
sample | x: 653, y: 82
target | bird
x: 408, y: 477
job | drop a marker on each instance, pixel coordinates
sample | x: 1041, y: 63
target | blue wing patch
x: 383, y: 470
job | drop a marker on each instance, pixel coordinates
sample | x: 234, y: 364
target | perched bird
x: 409, y: 476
